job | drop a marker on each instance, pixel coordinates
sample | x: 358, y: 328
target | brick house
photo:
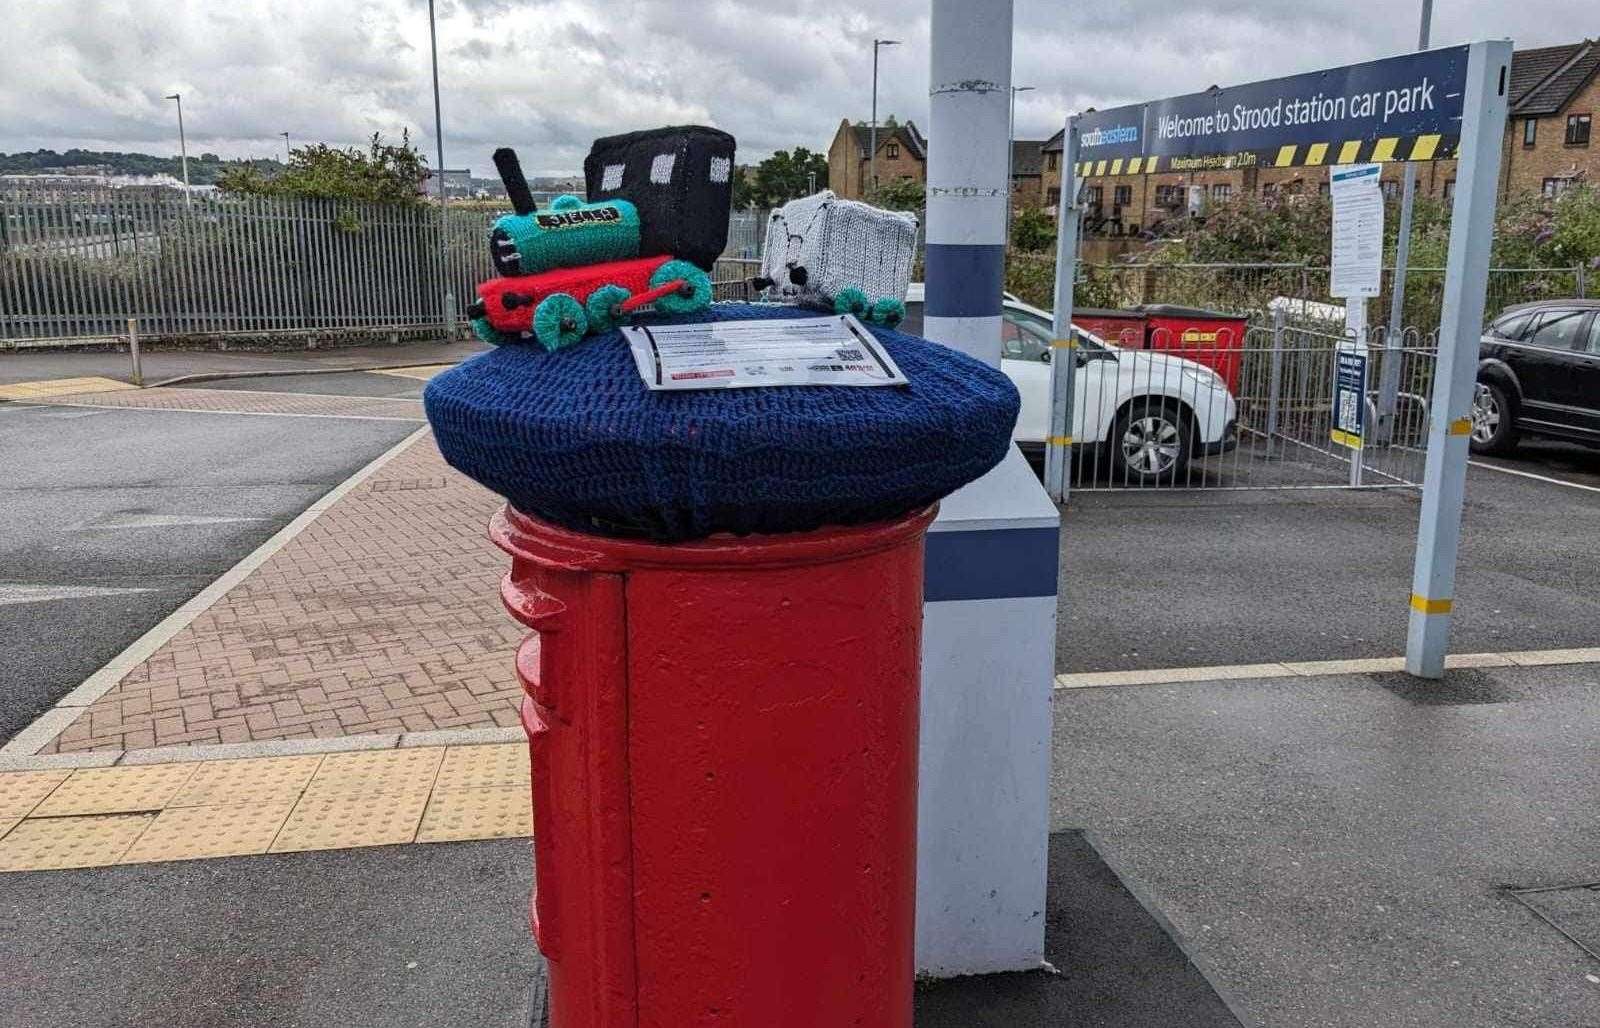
x: 902, y: 153
x: 1554, y: 93
x: 1027, y: 173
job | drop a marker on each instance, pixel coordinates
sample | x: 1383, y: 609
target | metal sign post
x: 1064, y: 348
x: 1466, y: 281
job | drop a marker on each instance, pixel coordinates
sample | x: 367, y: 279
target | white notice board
x: 834, y: 351
x: 1357, y: 230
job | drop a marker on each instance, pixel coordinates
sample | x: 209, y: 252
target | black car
x: 1539, y: 374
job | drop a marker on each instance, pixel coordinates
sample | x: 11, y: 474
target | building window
x: 1578, y: 130
x: 1054, y: 160
x: 1323, y: 188
x: 1055, y: 195
x: 1269, y: 189
x: 1122, y: 196
x: 1449, y: 189
x: 1530, y: 132
x: 1391, y: 189
x: 1554, y: 187
x: 1171, y: 196
x: 1222, y: 192
x: 1092, y: 196
x: 892, y: 151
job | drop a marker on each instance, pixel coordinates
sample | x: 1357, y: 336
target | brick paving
x: 382, y: 616
x: 251, y: 402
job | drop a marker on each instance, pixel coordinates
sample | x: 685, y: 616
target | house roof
x: 906, y: 134
x: 1026, y: 158
x: 1056, y: 143
x: 1544, y: 80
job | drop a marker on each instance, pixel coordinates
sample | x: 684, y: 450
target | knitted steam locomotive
x: 576, y: 267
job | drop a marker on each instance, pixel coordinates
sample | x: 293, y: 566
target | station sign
x: 1405, y: 108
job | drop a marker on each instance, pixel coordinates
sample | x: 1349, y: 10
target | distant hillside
x: 203, y: 169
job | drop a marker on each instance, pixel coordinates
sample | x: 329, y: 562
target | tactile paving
x: 55, y: 843
x: 502, y: 812
x: 113, y: 790
x: 398, y: 772
x: 342, y: 821
x: 483, y: 767
x: 262, y: 780
x: 21, y: 791
x: 231, y: 830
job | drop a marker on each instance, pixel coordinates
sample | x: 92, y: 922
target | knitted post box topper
x: 842, y: 254
x: 680, y: 179
x: 568, y: 234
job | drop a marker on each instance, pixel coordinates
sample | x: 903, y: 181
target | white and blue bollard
x: 990, y: 595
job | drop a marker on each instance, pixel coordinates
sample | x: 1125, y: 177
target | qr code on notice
x: 1347, y: 412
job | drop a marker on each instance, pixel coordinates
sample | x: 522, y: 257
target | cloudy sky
x: 547, y: 76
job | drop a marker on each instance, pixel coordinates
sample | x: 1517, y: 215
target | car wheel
x: 1150, y: 444
x: 1492, y: 427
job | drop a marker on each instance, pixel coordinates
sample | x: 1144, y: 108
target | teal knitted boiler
x: 567, y: 234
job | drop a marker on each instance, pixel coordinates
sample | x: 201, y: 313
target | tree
x: 743, y: 191
x: 1032, y: 229
x: 787, y: 176
x: 383, y: 173
x: 903, y: 194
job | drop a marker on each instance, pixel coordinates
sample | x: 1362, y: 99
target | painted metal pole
x: 1275, y: 376
x: 1011, y: 155
x: 1064, y: 348
x: 1355, y: 327
x: 984, y: 750
x: 183, y: 147
x: 1461, y: 327
x: 446, y: 302
x: 133, y: 352
x: 1389, y: 377
x: 872, y: 130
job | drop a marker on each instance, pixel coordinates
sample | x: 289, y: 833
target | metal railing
x: 1141, y: 420
x: 83, y: 265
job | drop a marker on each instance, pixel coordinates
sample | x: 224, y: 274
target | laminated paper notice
x: 834, y: 351
x: 1357, y: 230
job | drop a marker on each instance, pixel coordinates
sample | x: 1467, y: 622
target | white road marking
x: 115, y: 521
x: 250, y: 413
x: 16, y: 592
x: 1536, y: 478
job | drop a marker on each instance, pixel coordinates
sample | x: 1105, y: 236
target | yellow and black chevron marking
x: 1354, y: 151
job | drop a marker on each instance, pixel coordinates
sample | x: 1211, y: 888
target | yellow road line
x: 95, y: 817
x: 60, y: 387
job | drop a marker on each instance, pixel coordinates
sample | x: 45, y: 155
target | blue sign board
x: 1349, y: 399
x: 1401, y: 108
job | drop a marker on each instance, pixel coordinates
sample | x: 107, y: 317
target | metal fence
x: 1146, y: 421
x: 79, y: 265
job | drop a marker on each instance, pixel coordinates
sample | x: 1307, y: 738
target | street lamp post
x: 1011, y: 152
x: 183, y: 146
x: 447, y: 302
x: 872, y: 132
x: 286, y: 151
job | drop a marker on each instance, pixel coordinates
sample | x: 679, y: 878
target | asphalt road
x: 113, y: 518
x: 1153, y: 578
x: 159, y: 365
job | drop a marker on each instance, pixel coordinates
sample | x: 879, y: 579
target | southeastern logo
x: 1110, y: 136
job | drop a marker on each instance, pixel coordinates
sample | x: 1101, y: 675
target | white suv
x: 1139, y: 414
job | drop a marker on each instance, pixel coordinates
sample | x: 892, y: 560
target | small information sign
x: 836, y: 351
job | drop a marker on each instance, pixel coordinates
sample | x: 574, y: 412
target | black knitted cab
x: 679, y: 178
x: 574, y: 437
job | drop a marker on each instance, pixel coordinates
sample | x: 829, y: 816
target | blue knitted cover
x: 574, y: 437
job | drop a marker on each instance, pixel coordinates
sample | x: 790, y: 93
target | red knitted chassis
x: 528, y: 290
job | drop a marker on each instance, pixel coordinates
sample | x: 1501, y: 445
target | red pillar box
x: 724, y: 748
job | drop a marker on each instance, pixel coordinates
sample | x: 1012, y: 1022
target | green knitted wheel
x: 488, y: 333
x: 602, y: 307
x: 696, y: 294
x: 559, y: 321
x: 852, y: 301
x: 888, y: 312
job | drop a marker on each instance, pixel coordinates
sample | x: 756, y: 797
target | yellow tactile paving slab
x: 56, y: 843
x: 256, y: 780
x: 60, y: 387
x: 500, y: 812
x: 401, y: 772
x: 114, y: 790
x: 482, y: 767
x: 353, y: 819
x: 228, y: 830
x: 422, y: 371
x: 22, y: 791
